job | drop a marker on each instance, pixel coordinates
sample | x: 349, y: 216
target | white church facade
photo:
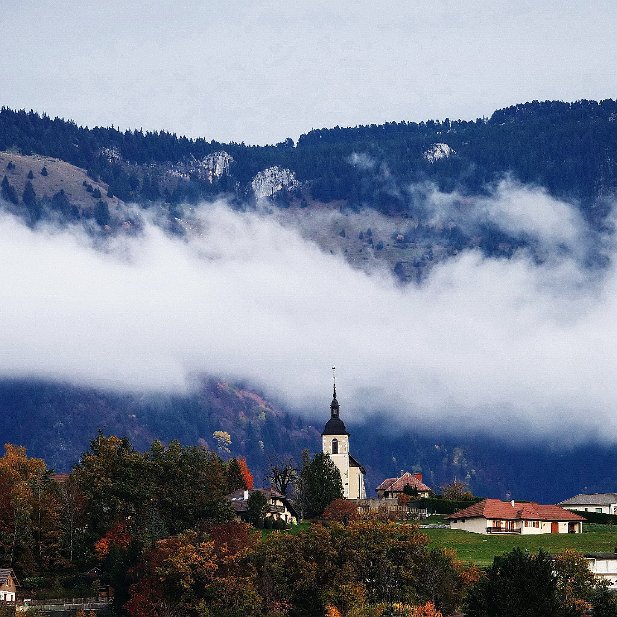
x: 335, y: 443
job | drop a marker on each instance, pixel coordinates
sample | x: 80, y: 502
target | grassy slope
x: 61, y: 175
x: 481, y: 549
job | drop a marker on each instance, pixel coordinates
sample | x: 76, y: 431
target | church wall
x: 356, y: 484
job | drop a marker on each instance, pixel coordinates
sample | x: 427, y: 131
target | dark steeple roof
x: 334, y: 426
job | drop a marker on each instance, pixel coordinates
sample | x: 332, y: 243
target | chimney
x: 418, y: 475
x: 246, y: 495
x: 512, y: 502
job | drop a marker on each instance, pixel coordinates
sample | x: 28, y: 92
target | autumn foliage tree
x: 30, y: 533
x: 342, y: 511
x: 205, y: 573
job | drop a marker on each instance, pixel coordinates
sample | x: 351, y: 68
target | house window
x: 599, y: 510
x: 335, y: 446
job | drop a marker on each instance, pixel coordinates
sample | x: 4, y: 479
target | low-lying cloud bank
x: 515, y: 347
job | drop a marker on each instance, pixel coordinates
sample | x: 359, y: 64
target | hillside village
x: 97, y: 513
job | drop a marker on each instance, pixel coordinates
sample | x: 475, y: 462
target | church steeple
x: 334, y: 407
x: 334, y: 426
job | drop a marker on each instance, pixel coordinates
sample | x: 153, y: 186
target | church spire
x: 334, y: 407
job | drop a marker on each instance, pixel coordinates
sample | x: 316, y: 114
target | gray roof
x: 601, y: 555
x: 594, y: 499
x: 4, y: 575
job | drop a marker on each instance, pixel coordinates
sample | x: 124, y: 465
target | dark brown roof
x: 397, y: 485
x: 240, y: 504
x: 495, y: 508
x: 354, y: 463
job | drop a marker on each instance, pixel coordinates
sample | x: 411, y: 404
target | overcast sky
x: 261, y: 70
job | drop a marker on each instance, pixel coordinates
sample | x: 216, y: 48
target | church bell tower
x: 335, y: 443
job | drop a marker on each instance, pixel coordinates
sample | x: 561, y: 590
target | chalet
x: 604, y: 503
x: 277, y: 506
x: 493, y: 516
x: 604, y: 566
x: 393, y: 487
x: 8, y: 585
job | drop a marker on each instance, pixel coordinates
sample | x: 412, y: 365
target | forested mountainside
x: 568, y: 148
x: 52, y: 169
x: 57, y: 421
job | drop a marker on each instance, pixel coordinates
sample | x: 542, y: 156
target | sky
x: 262, y: 70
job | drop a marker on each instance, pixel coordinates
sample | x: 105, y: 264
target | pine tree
x: 8, y: 191
x: 320, y: 484
x: 32, y: 204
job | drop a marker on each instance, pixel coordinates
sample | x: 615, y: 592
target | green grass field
x: 479, y: 549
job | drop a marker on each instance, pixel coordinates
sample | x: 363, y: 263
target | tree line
x: 157, y: 526
x: 565, y: 147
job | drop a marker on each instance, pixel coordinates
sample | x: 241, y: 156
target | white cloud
x: 510, y: 347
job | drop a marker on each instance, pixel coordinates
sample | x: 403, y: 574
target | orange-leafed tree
x: 245, y: 473
x: 197, y: 573
x: 425, y: 610
x: 30, y: 535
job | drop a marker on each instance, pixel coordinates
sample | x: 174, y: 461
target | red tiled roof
x: 397, y: 485
x: 495, y: 508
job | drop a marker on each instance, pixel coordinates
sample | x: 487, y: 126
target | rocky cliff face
x: 272, y: 180
x: 437, y: 152
x: 214, y: 166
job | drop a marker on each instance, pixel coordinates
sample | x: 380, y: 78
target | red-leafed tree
x: 245, y: 472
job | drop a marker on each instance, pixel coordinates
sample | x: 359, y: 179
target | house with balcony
x: 493, y: 516
x: 602, y: 503
x: 277, y: 505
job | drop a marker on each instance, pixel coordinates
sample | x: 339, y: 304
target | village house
x: 277, y: 505
x: 603, y: 565
x: 8, y: 585
x: 393, y: 487
x: 493, y: 516
x: 604, y: 503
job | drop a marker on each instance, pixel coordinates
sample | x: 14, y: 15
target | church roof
x: 335, y: 426
x: 354, y: 463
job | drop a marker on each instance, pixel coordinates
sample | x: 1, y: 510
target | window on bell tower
x: 335, y: 446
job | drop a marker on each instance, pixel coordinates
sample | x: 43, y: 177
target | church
x: 335, y: 442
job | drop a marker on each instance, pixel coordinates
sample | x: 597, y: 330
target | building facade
x: 493, y: 516
x: 602, y: 503
x: 335, y: 443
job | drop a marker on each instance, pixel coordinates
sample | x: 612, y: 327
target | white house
x: 604, y: 503
x: 335, y: 443
x: 493, y: 516
x: 603, y: 565
x: 277, y: 505
x: 8, y: 585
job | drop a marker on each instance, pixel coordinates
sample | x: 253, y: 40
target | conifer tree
x: 8, y: 191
